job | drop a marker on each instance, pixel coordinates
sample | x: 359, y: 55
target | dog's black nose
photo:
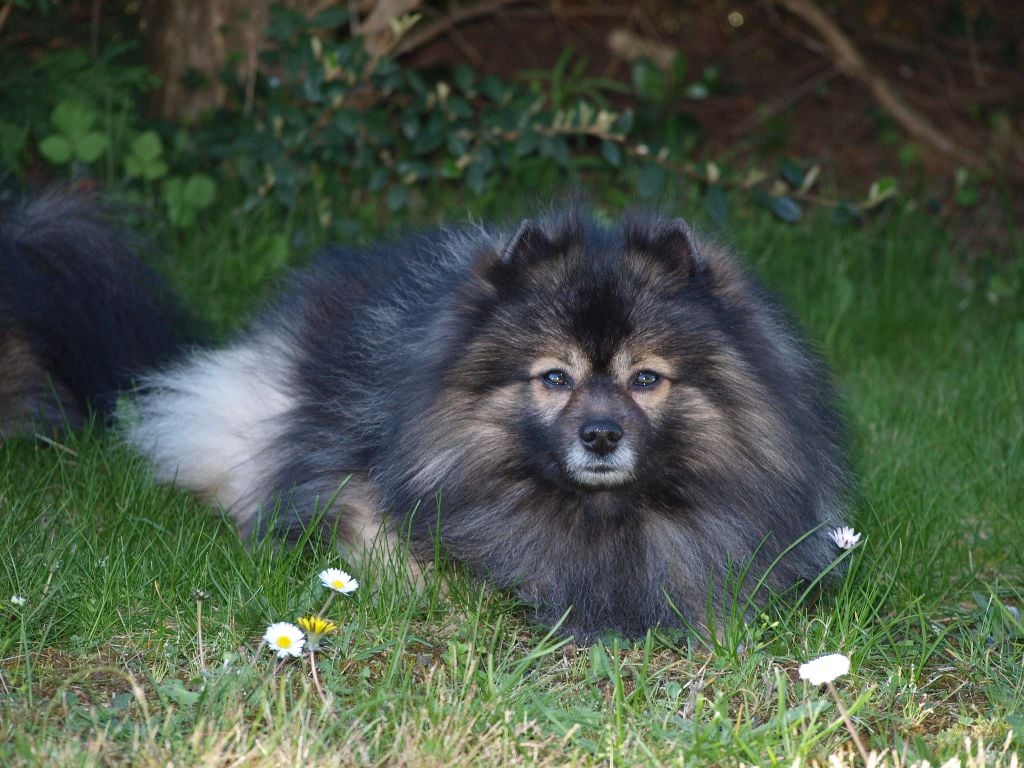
x: 601, y: 437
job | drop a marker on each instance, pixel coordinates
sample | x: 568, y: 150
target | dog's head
x: 584, y: 347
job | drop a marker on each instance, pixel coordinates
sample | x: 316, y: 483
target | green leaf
x: 155, y: 170
x: 791, y: 172
x: 476, y: 178
x: 456, y: 145
x: 284, y: 22
x: 398, y: 198
x: 611, y: 153
x: 147, y: 146
x: 716, y: 204
x: 881, y: 190
x: 56, y: 149
x: 464, y: 77
x: 200, y: 191
x: 176, y: 691
x: 90, y: 147
x: 624, y: 123
x: 13, y: 139
x: 411, y: 171
x: 527, y: 143
x: 492, y: 88
x: 379, y: 179
x: 72, y: 119
x: 967, y: 195
x: 410, y: 127
x: 999, y: 288
x: 697, y: 91
x: 460, y: 107
x: 331, y: 18
x: 600, y: 664
x: 450, y: 169
x: 651, y: 180
x: 846, y: 213
x: 649, y: 81
x: 177, y: 210
x: 557, y: 148
x: 785, y: 208
x: 133, y: 167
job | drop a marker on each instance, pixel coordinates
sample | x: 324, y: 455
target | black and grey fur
x: 80, y: 315
x: 607, y: 418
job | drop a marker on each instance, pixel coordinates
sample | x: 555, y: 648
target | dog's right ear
x: 671, y: 243
x: 527, y: 243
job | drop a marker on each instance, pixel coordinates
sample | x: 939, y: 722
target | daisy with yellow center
x: 315, y: 628
x: 284, y: 638
x: 338, y: 580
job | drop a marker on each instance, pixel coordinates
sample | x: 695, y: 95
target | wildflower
x: 199, y: 595
x: 18, y: 600
x: 845, y: 537
x: 284, y: 638
x: 338, y: 580
x: 315, y: 628
x: 825, y: 669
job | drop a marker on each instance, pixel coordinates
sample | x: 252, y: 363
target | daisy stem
x: 199, y: 634
x: 28, y: 660
x: 323, y: 610
x: 849, y: 724
x: 316, y: 680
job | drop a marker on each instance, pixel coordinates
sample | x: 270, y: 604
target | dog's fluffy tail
x: 80, y: 315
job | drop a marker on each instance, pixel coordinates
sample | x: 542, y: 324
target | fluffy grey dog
x: 612, y: 419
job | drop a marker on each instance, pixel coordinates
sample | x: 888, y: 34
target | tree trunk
x: 189, y: 42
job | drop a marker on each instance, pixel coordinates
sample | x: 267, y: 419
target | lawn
x: 112, y: 659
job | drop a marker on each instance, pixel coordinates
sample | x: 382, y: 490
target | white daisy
x: 284, y: 638
x: 825, y: 669
x: 845, y: 537
x: 338, y: 580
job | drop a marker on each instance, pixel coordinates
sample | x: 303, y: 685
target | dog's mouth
x: 590, y: 471
x: 602, y: 477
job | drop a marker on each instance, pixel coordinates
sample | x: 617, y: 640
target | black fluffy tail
x: 80, y: 315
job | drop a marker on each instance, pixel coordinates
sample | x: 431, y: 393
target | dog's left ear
x: 527, y: 243
x: 671, y: 243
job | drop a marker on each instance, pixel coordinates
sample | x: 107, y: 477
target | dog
x: 615, y: 422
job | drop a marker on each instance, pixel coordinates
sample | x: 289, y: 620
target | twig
x: 377, y: 28
x: 972, y: 49
x: 54, y: 444
x: 787, y: 100
x: 850, y: 61
x: 440, y: 27
x: 5, y: 11
x: 94, y: 28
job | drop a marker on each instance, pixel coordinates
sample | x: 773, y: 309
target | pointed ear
x: 671, y: 243
x: 528, y: 242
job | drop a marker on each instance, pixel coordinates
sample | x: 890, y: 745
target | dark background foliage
x: 320, y: 106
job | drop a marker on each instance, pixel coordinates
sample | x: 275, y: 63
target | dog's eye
x: 645, y: 379
x: 556, y: 378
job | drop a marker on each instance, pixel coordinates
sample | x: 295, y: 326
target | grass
x: 102, y: 664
